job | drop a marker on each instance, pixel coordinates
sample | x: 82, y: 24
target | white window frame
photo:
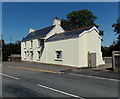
x: 27, y: 54
x: 38, y: 55
x: 24, y: 54
x: 58, y: 55
x: 31, y: 44
x: 42, y: 43
x: 38, y: 44
x: 25, y: 44
x: 31, y: 55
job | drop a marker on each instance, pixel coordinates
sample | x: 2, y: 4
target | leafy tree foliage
x: 11, y: 48
x: 116, y: 27
x: 107, y: 51
x: 79, y: 19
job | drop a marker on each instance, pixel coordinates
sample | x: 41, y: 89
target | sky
x: 18, y: 17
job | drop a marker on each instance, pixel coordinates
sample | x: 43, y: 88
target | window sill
x: 58, y: 59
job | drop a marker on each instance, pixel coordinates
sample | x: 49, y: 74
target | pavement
x: 102, y: 71
x: 42, y: 66
x: 25, y: 79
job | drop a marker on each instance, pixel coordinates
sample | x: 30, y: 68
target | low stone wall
x: 107, y: 59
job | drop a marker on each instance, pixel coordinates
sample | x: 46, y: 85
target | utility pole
x: 10, y: 39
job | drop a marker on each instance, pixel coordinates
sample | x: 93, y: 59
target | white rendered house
x: 53, y: 45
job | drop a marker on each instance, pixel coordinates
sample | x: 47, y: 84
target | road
x: 21, y: 81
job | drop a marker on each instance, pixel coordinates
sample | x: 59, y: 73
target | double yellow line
x: 40, y: 70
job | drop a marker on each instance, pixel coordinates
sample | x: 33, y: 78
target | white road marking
x: 60, y: 91
x: 10, y: 76
x: 95, y: 77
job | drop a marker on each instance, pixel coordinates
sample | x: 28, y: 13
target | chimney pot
x: 56, y: 18
x: 56, y: 21
x: 31, y: 30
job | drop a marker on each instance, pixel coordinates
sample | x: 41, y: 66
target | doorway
x: 91, y: 60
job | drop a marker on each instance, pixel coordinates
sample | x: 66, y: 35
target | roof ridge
x: 43, y: 28
x: 79, y: 28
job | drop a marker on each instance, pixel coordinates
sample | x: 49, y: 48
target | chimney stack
x: 31, y: 30
x: 56, y: 21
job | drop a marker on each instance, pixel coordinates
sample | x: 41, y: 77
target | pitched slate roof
x: 68, y: 34
x: 39, y: 33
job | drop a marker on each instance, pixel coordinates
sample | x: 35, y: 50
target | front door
x: 92, y: 59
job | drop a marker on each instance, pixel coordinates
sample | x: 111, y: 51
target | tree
x: 79, y: 19
x: 107, y: 51
x: 10, y: 48
x: 116, y: 27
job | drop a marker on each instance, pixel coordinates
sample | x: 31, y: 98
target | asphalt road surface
x: 29, y: 82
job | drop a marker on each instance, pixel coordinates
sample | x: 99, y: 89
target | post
x: 116, y: 60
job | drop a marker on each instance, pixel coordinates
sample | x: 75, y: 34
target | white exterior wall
x: 82, y: 51
x: 69, y: 48
x: 90, y: 42
x: 22, y: 50
x: 74, y: 50
x: 94, y: 46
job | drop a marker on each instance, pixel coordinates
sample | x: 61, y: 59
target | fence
x: 15, y: 57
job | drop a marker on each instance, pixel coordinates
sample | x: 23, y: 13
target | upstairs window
x: 24, y: 44
x: 40, y: 42
x: 31, y: 44
x: 58, y: 55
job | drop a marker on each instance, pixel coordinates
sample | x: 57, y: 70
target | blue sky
x: 20, y: 16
